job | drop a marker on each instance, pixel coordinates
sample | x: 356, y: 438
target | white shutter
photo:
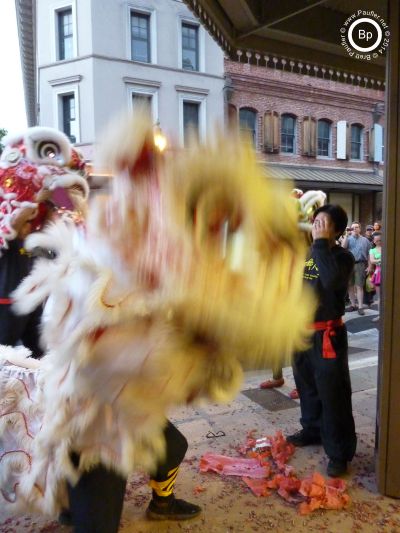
x: 341, y: 133
x: 378, y: 141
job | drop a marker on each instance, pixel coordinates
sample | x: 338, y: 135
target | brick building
x: 319, y: 132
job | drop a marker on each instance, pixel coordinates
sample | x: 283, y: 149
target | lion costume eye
x: 49, y: 150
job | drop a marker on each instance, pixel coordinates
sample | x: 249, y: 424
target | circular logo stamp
x: 365, y: 35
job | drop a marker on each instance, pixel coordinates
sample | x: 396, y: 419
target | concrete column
x: 388, y: 418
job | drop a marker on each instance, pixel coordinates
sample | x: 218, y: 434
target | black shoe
x: 303, y: 438
x: 65, y: 518
x: 171, y: 509
x: 361, y: 311
x: 336, y: 468
x: 351, y: 309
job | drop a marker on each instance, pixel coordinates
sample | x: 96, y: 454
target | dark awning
x: 305, y: 30
x: 327, y: 178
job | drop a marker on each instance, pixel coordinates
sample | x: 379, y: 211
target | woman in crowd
x: 375, y: 255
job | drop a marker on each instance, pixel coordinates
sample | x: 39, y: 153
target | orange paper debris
x: 265, y: 470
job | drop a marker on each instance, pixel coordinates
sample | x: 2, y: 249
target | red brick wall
x: 266, y: 89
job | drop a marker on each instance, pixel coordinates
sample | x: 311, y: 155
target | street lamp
x: 160, y: 139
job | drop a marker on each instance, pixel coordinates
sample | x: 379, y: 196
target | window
x: 69, y: 123
x: 145, y: 94
x: 356, y: 141
x: 142, y: 99
x: 190, y: 121
x: 192, y: 115
x: 65, y: 34
x: 324, y: 138
x: 247, y: 123
x: 140, y: 37
x: 190, y: 46
x: 288, y: 134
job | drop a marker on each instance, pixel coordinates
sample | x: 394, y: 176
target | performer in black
x: 15, y: 265
x: 322, y: 373
x: 96, y: 501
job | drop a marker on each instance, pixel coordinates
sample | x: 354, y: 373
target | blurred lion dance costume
x: 186, y: 271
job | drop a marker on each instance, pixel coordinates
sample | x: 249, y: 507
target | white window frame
x: 202, y: 41
x: 200, y: 99
x: 57, y: 108
x: 145, y: 91
x: 329, y: 156
x: 56, y: 7
x: 362, y: 135
x: 153, y: 32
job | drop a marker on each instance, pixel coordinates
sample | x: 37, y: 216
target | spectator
x: 369, y: 295
x: 377, y: 226
x: 359, y: 246
x: 368, y: 233
x: 322, y: 372
x: 375, y: 255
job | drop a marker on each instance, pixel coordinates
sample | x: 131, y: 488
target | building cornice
x: 139, y: 81
x: 185, y: 89
x: 101, y: 57
x: 299, y: 92
x: 26, y: 17
x: 66, y: 80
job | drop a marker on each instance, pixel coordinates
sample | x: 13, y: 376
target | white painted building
x: 92, y: 58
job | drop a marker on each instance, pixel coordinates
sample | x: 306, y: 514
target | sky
x: 12, y: 105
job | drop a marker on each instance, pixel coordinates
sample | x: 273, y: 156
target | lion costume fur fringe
x: 189, y: 270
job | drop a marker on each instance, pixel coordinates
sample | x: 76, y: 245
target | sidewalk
x: 228, y: 505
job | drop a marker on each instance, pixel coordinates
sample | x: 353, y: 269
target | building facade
x: 318, y: 132
x: 95, y: 58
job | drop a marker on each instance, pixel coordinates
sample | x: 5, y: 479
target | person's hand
x: 320, y: 229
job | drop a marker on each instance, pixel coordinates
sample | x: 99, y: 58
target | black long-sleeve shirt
x: 328, y: 271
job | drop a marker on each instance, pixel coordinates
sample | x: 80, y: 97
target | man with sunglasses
x: 359, y: 246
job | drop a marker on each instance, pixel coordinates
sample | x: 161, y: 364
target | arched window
x: 324, y: 138
x: 248, y: 122
x: 356, y: 141
x: 288, y: 134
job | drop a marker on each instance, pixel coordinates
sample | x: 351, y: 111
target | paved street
x: 227, y: 503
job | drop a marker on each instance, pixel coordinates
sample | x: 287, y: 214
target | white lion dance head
x: 41, y: 159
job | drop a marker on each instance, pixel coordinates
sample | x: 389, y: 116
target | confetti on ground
x: 265, y: 469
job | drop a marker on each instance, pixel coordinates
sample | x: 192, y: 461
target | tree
x: 3, y: 133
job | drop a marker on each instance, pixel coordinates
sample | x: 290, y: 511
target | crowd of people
x: 366, y: 278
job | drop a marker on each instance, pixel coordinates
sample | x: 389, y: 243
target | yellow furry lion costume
x: 189, y: 269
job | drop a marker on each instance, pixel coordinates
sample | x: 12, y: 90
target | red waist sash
x: 329, y: 329
x: 5, y: 301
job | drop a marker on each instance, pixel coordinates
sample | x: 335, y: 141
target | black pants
x: 96, y: 501
x: 23, y: 329
x: 325, y: 396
